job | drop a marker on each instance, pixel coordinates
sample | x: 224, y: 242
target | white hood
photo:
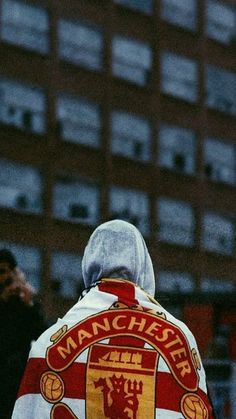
x: 116, y: 249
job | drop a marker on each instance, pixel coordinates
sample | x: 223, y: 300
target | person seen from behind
x: 117, y: 353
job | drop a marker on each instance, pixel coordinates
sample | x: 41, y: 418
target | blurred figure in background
x: 21, y: 322
x: 117, y: 353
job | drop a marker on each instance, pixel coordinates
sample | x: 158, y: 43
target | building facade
x: 122, y: 109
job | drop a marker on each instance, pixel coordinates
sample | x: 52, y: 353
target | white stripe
x: 168, y: 414
x: 33, y: 406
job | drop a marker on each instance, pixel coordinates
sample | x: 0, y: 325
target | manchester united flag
x: 115, y: 356
x: 121, y: 382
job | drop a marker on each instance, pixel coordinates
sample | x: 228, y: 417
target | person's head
x: 7, y: 264
x: 116, y: 249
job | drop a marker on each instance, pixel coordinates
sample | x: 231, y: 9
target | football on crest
x: 193, y: 407
x: 51, y: 386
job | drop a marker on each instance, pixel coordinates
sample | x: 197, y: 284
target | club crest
x: 121, y: 382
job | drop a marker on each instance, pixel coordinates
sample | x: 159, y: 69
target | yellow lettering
x: 134, y: 322
x: 82, y: 334
x: 153, y: 327
x: 174, y: 342
x: 115, y: 322
x: 70, y: 344
x: 178, y: 353
x: 185, y: 367
x: 105, y: 326
x: 164, y: 335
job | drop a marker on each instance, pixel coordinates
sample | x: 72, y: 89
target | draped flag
x: 125, y: 358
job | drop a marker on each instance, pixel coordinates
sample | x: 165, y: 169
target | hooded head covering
x: 116, y: 249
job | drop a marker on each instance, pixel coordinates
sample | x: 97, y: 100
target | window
x: 177, y: 148
x: 20, y: 187
x: 216, y: 285
x: 219, y: 161
x: 80, y: 44
x: 179, y: 77
x: 175, y: 282
x: 176, y: 222
x: 25, y: 25
x: 28, y: 259
x: 22, y: 106
x: 221, y: 21
x: 218, y: 234
x: 140, y: 5
x: 130, y: 205
x: 180, y: 12
x: 221, y: 90
x: 66, y: 274
x: 131, y: 136
x: 79, y: 120
x: 76, y: 200
x: 131, y: 60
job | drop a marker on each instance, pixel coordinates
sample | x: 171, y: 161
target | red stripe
x: 75, y: 375
x: 125, y: 291
x: 30, y: 383
x: 168, y: 391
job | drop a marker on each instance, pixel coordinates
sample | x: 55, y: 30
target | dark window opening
x: 27, y: 119
x: 11, y: 111
x: 55, y: 285
x: 179, y: 162
x: 208, y: 170
x: 78, y: 211
x: 22, y: 202
x: 138, y: 149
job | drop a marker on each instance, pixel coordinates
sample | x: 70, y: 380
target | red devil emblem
x: 122, y: 393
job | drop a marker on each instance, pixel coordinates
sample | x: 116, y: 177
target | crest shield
x: 121, y: 382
